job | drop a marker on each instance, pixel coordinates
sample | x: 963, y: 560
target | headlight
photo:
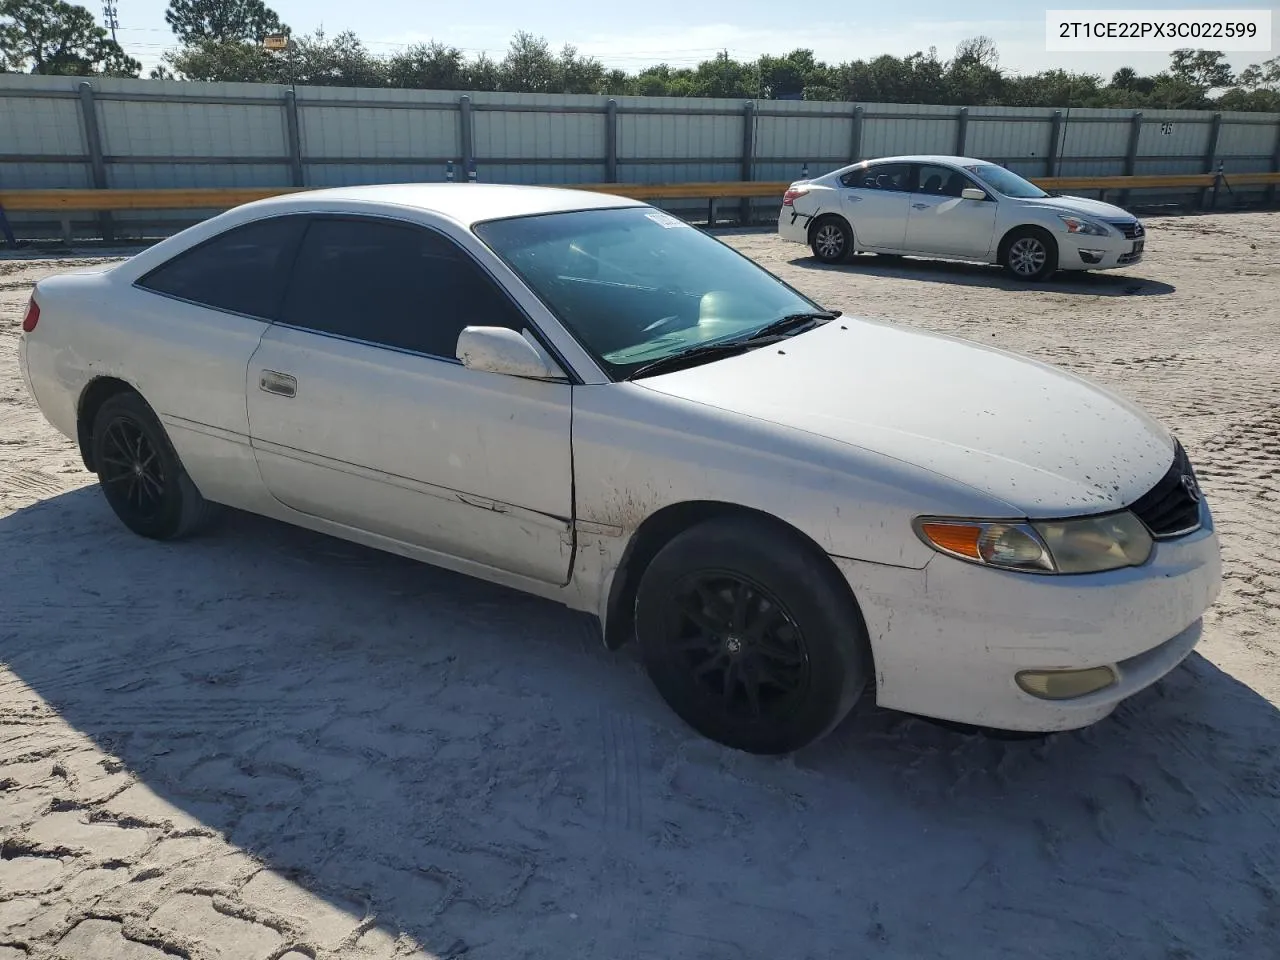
x: 1093, y: 544
x: 1084, y: 545
x: 1086, y: 227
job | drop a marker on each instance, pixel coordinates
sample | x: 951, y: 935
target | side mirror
x: 973, y: 193
x: 501, y: 350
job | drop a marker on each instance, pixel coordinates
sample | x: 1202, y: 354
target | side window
x: 244, y: 270
x: 392, y: 284
x: 881, y: 176
x: 855, y: 177
x: 942, y: 181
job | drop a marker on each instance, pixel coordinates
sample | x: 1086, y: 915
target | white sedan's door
x: 359, y: 414
x: 876, y: 202
x: 944, y: 223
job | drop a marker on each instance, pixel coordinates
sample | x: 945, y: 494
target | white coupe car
x: 956, y: 208
x: 582, y: 397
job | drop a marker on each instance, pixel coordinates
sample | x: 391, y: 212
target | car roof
x: 464, y: 203
x: 923, y: 158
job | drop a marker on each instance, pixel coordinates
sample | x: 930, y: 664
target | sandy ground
x: 266, y: 743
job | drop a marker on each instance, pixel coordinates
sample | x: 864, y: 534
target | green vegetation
x: 221, y: 40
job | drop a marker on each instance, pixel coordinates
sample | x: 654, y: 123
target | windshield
x: 635, y: 285
x: 1006, y: 181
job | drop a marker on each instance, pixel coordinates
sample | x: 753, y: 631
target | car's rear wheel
x: 831, y: 239
x: 1030, y: 254
x: 140, y: 474
x: 750, y: 636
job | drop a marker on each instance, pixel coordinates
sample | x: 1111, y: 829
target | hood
x: 1085, y: 207
x: 1044, y: 441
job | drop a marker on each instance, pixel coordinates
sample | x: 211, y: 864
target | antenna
x: 110, y: 17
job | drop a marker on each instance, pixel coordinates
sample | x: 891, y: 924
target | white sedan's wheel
x: 831, y: 240
x: 1030, y: 254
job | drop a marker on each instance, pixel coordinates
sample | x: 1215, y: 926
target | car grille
x: 1172, y: 507
x: 1132, y: 229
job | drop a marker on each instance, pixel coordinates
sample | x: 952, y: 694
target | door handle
x: 919, y: 206
x: 281, y: 384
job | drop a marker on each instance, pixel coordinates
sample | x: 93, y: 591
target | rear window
x: 244, y: 270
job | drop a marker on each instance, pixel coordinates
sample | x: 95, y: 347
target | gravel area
x: 266, y: 743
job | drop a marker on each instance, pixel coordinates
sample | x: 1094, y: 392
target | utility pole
x: 109, y: 15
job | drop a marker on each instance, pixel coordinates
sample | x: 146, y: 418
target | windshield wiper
x: 705, y: 351
x: 790, y: 322
x: 771, y: 332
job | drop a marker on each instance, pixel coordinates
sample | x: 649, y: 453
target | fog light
x: 1065, y: 684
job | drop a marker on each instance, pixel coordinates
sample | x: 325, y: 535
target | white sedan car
x: 582, y: 397
x: 956, y: 208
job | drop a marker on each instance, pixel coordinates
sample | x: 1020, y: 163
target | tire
x: 741, y: 605
x: 831, y: 239
x: 1030, y: 254
x: 141, y: 476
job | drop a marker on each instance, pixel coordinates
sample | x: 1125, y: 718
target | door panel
x: 942, y: 222
x: 876, y: 202
x: 360, y: 413
x: 422, y: 450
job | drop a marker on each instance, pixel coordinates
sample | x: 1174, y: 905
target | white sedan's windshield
x: 1006, y: 181
x: 635, y: 285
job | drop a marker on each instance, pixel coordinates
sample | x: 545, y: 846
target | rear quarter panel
x: 187, y: 362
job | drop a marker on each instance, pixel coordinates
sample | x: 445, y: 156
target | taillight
x: 791, y: 194
x: 32, y: 316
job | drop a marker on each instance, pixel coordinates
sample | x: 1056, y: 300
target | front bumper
x: 948, y: 639
x: 1077, y: 252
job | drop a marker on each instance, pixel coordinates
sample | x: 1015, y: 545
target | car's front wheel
x: 831, y: 239
x: 750, y: 636
x: 140, y: 474
x: 1030, y: 254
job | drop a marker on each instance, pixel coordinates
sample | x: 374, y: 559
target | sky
x: 684, y: 32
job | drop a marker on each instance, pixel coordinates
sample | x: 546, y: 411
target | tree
x: 340, y: 62
x: 786, y: 77
x: 1126, y: 78
x: 616, y: 83
x: 1260, y: 100
x: 485, y: 74
x: 429, y: 66
x: 1261, y: 76
x: 723, y: 76
x: 577, y: 74
x: 1170, y: 92
x: 1205, y: 69
x: 972, y: 76
x: 8, y: 48
x: 228, y: 62
x: 220, y: 21
x: 980, y: 51
x: 53, y: 37
x: 1051, y: 88
x: 529, y: 66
